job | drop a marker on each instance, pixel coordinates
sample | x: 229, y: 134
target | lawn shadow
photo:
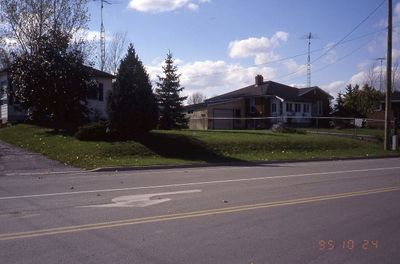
x: 182, y: 147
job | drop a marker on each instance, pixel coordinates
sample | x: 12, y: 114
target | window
x: 11, y: 94
x: 273, y: 108
x: 92, y: 93
x: 101, y: 92
x: 252, y: 105
x: 237, y: 115
x: 297, y: 108
x: 289, y: 107
x: 306, y: 108
x: 319, y: 107
x: 3, y: 88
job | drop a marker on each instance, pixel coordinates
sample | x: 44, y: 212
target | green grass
x: 378, y: 133
x: 183, y: 147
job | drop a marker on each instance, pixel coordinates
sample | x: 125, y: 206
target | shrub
x: 283, y: 128
x: 93, y: 132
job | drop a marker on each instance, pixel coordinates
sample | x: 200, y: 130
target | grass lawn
x: 379, y: 133
x: 182, y: 147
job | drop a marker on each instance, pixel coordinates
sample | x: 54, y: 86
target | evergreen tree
x: 52, y: 83
x: 357, y: 102
x: 169, y: 99
x: 132, y: 106
x: 338, y: 108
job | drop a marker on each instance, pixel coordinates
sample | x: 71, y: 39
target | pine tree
x: 169, y: 99
x: 132, y: 106
x: 356, y: 102
x: 338, y: 108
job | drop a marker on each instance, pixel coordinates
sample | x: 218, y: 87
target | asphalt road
x: 314, y: 212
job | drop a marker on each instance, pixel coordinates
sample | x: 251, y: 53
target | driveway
x: 14, y: 160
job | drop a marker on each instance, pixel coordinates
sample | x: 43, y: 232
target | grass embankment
x: 182, y: 147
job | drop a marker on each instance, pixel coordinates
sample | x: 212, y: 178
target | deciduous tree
x: 26, y: 21
x: 52, y: 83
x: 196, y: 98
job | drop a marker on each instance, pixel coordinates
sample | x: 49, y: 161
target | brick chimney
x: 259, y: 80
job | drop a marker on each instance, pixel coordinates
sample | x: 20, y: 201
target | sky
x: 221, y: 45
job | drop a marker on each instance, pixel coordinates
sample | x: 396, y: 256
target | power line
x: 341, y: 41
x: 341, y: 58
x: 351, y: 32
x: 288, y: 58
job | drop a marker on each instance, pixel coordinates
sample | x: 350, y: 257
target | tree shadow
x: 182, y: 147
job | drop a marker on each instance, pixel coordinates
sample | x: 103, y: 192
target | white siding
x: 11, y: 112
x: 300, y: 116
x: 3, y: 98
x: 99, y: 108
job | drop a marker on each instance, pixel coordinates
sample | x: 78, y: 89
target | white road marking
x: 140, y: 200
x: 196, y: 183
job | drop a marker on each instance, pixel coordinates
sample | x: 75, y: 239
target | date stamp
x: 350, y: 245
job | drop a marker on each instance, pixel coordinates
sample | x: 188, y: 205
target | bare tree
x: 4, y: 54
x: 196, y: 98
x: 372, y: 77
x: 25, y: 20
x: 115, y: 50
x: 396, y: 76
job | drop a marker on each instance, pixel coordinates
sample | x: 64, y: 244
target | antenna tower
x: 102, y: 37
x: 380, y: 77
x: 309, y: 37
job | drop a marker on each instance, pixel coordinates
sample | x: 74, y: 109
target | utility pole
x: 388, y: 103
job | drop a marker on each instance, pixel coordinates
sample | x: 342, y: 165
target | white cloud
x: 10, y: 42
x: 397, y: 12
x: 259, y: 48
x: 215, y: 77
x: 193, y: 6
x: 295, y: 68
x: 396, y: 54
x: 358, y: 78
x: 331, y: 56
x: 159, y: 6
x: 334, y: 88
x: 263, y: 58
x: 90, y: 35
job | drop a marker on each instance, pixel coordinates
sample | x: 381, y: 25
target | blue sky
x: 220, y: 45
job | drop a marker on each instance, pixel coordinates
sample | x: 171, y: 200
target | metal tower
x: 309, y: 37
x: 102, y: 37
x: 380, y: 77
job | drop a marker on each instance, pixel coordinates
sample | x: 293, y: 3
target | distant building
x: 10, y: 111
x: 284, y: 103
x: 377, y: 119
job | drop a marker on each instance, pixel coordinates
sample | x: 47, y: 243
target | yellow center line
x: 217, y: 211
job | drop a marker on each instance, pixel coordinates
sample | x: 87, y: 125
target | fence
x: 340, y: 125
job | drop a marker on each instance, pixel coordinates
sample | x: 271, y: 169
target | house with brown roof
x: 377, y: 118
x: 10, y: 111
x: 259, y: 106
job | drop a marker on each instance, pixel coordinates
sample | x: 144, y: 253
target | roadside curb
x: 232, y: 164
